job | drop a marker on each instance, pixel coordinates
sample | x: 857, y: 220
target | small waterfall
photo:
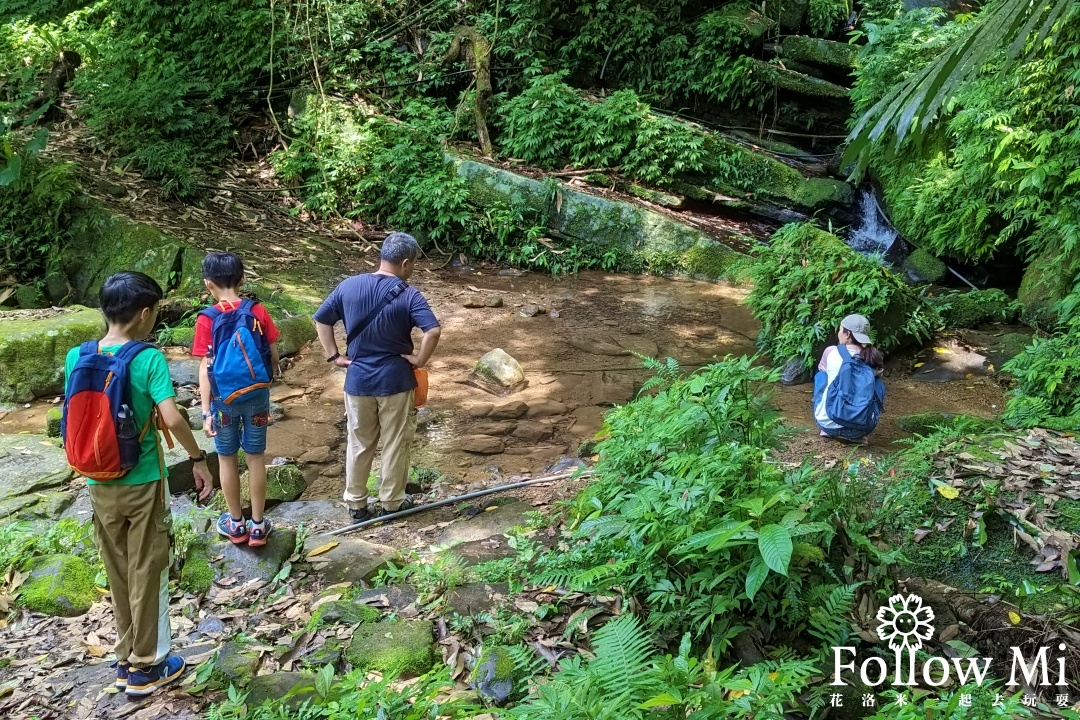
x: 874, y: 235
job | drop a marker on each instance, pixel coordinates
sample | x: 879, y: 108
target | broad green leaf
x: 755, y: 578
x: 774, y: 543
x: 660, y: 701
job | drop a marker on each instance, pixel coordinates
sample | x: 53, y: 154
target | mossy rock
x: 493, y: 676
x: 342, y: 612
x: 922, y: 267
x: 978, y: 307
x: 60, y: 585
x: 296, y: 332
x: 34, y: 344
x: 53, y: 418
x: 180, y: 337
x: 291, y: 687
x: 50, y: 505
x: 235, y: 664
x: 284, y: 483
x: 790, y: 13
x: 197, y: 575
x: 393, y: 647
x: 30, y: 297
x: 1047, y: 280
x: 329, y: 653
x: 797, y: 82
x: 807, y: 49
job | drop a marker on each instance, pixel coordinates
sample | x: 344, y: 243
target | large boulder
x: 1045, y: 283
x: 393, y: 648
x: 293, y: 687
x: 803, y: 48
x: 493, y: 676
x: 922, y: 267
x: 350, y: 559
x: 30, y: 464
x: 284, y: 483
x: 296, y: 332
x: 34, y: 344
x: 497, y: 373
x: 58, y: 585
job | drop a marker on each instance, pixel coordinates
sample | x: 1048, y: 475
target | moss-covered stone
x: 235, y: 664
x: 58, y: 585
x: 1047, y: 280
x: 30, y: 297
x: 923, y: 267
x: 29, y: 464
x: 296, y: 332
x: 292, y: 687
x: 33, y: 345
x: 797, y: 82
x: 815, y: 193
x: 329, y: 653
x: 493, y: 676
x: 180, y: 337
x: 284, y: 482
x: 790, y: 13
x: 807, y: 49
x: 53, y: 417
x: 49, y: 506
x: 197, y: 575
x: 393, y: 648
x: 976, y: 307
x: 343, y: 612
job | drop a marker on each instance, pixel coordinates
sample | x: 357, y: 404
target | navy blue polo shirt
x: 377, y: 368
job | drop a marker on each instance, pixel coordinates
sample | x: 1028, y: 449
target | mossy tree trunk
x: 475, y: 50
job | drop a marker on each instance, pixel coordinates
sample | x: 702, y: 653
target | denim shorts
x: 241, y: 424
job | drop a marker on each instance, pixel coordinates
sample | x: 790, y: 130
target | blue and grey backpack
x: 856, y: 398
x: 239, y: 358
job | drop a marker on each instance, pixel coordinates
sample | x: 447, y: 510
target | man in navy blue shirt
x: 379, y: 312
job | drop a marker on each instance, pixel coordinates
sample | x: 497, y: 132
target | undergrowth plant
x: 807, y: 280
x: 1047, y: 374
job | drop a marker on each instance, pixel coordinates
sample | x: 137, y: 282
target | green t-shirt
x: 150, y: 385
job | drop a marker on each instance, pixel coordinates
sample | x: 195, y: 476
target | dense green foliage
x: 976, y: 307
x: 1047, y: 373
x: 807, y: 280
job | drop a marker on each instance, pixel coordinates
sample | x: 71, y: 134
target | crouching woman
x: 849, y: 395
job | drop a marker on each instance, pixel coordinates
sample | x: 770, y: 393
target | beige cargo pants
x: 370, y: 419
x: 131, y: 524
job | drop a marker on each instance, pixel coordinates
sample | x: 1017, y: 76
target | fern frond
x: 623, y: 650
x: 830, y: 620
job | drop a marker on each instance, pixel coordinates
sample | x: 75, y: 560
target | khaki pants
x: 132, y: 524
x: 391, y: 419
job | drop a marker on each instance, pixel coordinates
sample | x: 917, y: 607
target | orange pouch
x: 420, y: 394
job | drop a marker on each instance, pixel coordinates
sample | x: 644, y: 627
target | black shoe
x: 362, y: 514
x: 406, y: 504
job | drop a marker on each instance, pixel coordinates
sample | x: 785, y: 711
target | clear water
x: 874, y: 235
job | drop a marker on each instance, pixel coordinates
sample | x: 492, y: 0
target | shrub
x: 807, y: 280
x: 1047, y: 376
x: 975, y: 308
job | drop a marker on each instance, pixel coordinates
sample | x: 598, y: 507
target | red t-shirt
x: 200, y: 346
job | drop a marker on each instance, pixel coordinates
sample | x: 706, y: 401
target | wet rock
x: 530, y: 310
x: 545, y: 408
x: 394, y: 648
x: 351, y: 560
x: 294, y: 687
x: 477, y: 598
x: 923, y: 268
x: 329, y: 653
x: 185, y: 396
x: 296, y: 332
x: 236, y: 664
x: 493, y: 302
x: 53, y: 417
x: 58, y: 585
x: 565, y: 464
x: 493, y: 676
x: 491, y: 523
x: 389, y: 599
x: 481, y: 444
x: 533, y: 431
x: 210, y: 626
x: 335, y: 470
x: 284, y: 483
x: 30, y: 463
x: 479, y: 410
x: 318, y: 455
x: 184, y: 371
x: 247, y: 563
x: 497, y: 373
x: 179, y: 466
x: 795, y: 372
x: 508, y: 411
x: 474, y: 303
x: 33, y: 346
x: 277, y: 412
x: 343, y: 612
x: 503, y: 427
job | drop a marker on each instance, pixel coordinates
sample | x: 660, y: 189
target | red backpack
x: 98, y: 427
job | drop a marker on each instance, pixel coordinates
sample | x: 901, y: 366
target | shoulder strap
x: 130, y: 349
x: 246, y: 304
x: 90, y: 347
x: 844, y: 354
x: 391, y: 295
x: 213, y: 312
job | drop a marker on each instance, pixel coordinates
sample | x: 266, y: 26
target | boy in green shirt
x: 131, y: 513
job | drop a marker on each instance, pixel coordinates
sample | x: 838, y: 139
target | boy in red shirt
x: 239, y: 418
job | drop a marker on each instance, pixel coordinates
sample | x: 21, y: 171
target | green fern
x: 623, y: 649
x: 830, y: 620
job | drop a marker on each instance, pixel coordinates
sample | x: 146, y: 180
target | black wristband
x: 333, y: 357
x: 201, y: 457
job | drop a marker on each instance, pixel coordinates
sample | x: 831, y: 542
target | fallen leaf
x: 323, y: 549
x: 1014, y: 618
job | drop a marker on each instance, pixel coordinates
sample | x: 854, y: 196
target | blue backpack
x: 856, y: 398
x: 101, y: 439
x: 239, y: 352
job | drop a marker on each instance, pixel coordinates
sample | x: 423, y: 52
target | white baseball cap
x: 859, y: 327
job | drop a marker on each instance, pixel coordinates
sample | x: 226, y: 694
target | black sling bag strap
x: 390, y: 296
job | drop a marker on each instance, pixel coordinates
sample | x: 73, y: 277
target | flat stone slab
x: 492, y: 522
x: 389, y: 599
x: 482, y: 551
x: 351, y: 560
x: 33, y: 345
x: 245, y: 563
x: 29, y: 463
x: 309, y: 513
x: 477, y: 598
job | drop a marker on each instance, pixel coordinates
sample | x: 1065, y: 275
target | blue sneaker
x: 122, y: 670
x: 235, y: 530
x: 141, y: 683
x: 258, y: 532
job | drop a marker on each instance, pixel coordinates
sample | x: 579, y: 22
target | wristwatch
x: 201, y: 457
x: 333, y: 357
